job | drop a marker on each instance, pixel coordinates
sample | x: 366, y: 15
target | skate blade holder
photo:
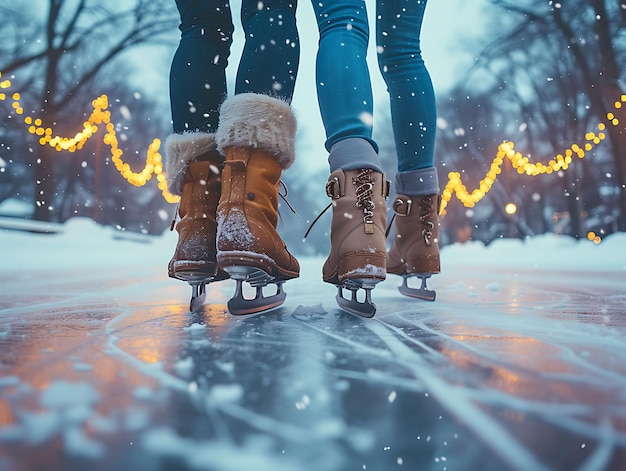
x: 198, y: 282
x: 419, y: 293
x: 239, y: 305
x: 365, y: 308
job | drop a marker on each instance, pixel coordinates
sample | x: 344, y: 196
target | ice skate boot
x: 357, y: 257
x: 193, y: 172
x: 415, y: 249
x: 256, y: 135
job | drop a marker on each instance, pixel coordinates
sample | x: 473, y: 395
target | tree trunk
x: 44, y: 170
x: 617, y: 136
x: 610, y: 93
x: 603, y: 89
x: 47, y: 190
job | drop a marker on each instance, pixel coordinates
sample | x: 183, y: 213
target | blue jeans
x: 344, y: 90
x: 269, y: 63
x: 343, y: 82
x: 411, y: 94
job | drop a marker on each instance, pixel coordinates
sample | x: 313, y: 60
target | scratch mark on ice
x: 506, y: 446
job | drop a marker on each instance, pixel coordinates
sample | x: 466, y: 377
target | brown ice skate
x: 358, y: 251
x: 415, y: 249
x: 256, y: 136
x: 193, y: 172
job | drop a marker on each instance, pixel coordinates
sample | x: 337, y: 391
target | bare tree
x: 79, y: 39
x: 538, y: 94
x: 589, y: 36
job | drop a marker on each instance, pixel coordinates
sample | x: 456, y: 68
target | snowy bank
x: 82, y: 243
x: 543, y: 252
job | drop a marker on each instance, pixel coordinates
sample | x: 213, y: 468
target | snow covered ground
x: 519, y: 364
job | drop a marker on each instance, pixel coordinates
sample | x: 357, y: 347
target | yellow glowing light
x: 510, y: 208
x: 521, y: 164
x: 153, y: 166
x: 100, y: 115
x: 593, y: 237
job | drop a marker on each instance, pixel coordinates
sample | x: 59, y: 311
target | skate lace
x: 316, y: 219
x: 284, y: 198
x: 425, y: 208
x: 397, y: 203
x: 365, y: 197
x: 175, y: 218
x: 425, y: 205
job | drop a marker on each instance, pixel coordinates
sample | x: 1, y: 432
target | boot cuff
x: 420, y: 182
x: 259, y: 121
x: 180, y: 149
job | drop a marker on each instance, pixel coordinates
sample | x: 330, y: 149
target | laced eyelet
x: 365, y: 196
x: 332, y: 188
x: 425, y: 206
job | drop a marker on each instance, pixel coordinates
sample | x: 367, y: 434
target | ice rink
x: 519, y: 364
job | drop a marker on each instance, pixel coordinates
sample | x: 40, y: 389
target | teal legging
x: 413, y: 105
x: 269, y: 62
x: 343, y: 83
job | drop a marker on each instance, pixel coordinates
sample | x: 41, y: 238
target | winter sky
x: 447, y: 52
x: 447, y: 45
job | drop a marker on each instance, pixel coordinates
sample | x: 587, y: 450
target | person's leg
x: 197, y: 74
x: 193, y: 164
x: 256, y: 135
x: 357, y: 186
x: 411, y: 94
x: 344, y: 88
x: 415, y: 249
x: 270, y: 58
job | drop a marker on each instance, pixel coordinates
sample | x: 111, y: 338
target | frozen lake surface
x: 519, y: 364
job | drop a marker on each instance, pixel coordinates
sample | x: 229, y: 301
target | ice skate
x: 415, y: 250
x: 357, y: 257
x: 256, y: 135
x: 193, y: 172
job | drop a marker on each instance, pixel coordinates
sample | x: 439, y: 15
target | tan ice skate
x: 415, y: 249
x: 358, y: 251
x: 256, y: 135
x: 193, y: 172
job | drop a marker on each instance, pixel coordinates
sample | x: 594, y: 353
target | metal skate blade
x: 361, y: 308
x: 197, y: 302
x: 240, y: 306
x: 419, y: 293
x: 198, y: 295
x: 257, y: 278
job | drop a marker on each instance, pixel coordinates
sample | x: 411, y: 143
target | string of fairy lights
x: 154, y: 161
x: 99, y: 116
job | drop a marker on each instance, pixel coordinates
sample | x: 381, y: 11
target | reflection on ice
x: 515, y: 367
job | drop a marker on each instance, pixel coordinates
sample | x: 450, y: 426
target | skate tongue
x: 361, y: 308
x: 420, y: 293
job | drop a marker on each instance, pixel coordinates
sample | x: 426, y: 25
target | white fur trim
x: 259, y: 121
x: 180, y: 149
